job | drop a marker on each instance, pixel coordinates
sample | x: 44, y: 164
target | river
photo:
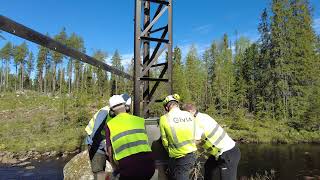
x: 288, y: 161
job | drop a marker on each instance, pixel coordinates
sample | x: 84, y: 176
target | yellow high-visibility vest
x: 102, y: 113
x: 178, y: 133
x: 215, y: 140
x: 90, y: 126
x: 128, y: 135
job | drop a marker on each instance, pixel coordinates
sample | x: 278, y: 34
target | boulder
x: 79, y: 167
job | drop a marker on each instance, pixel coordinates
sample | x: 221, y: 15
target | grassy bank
x: 29, y: 121
x: 267, y: 131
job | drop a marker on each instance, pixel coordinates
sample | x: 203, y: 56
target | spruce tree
x: 195, y: 77
x: 265, y: 70
x: 178, y: 77
x: 241, y: 44
x: 117, y: 82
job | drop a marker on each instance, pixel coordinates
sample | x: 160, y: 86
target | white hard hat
x: 126, y: 98
x: 116, y: 100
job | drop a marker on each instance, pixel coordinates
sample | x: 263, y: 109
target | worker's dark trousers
x: 225, y: 168
x: 180, y: 168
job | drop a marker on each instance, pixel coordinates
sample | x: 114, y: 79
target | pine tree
x: 77, y: 43
x: 6, y: 54
x: 42, y: 58
x: 30, y: 63
x: 101, y: 75
x: 20, y: 54
x: 58, y: 57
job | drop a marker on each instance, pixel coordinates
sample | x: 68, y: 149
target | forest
x: 272, y: 83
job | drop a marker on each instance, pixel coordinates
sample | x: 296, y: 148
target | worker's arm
x: 112, y: 162
x: 199, y: 134
x: 109, y: 149
x: 163, y: 133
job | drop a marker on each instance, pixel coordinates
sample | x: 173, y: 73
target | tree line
x: 276, y: 77
x: 54, y: 72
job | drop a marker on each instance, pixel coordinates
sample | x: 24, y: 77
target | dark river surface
x: 288, y: 161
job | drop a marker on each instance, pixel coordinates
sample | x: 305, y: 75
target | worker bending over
x: 127, y: 143
x: 223, y: 153
x: 177, y: 129
x: 96, y: 140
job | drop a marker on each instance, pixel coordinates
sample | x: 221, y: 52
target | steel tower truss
x: 152, y: 38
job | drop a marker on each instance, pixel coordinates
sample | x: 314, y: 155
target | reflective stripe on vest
x: 133, y: 131
x: 89, y: 128
x: 212, y: 141
x: 176, y: 143
x: 130, y: 145
x: 128, y: 135
x: 213, y: 132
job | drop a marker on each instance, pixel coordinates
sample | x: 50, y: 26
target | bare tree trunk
x: 54, y: 77
x: 40, y: 80
x: 45, y: 84
x: 61, y: 76
x: 7, y: 75
x: 1, y: 77
x: 82, y: 80
x: 70, y: 76
x: 16, y: 78
x: 22, y: 76
x: 30, y: 82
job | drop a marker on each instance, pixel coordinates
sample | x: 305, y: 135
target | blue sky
x: 108, y: 25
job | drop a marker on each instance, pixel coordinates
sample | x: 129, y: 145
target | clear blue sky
x: 108, y: 25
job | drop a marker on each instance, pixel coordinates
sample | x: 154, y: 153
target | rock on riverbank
x: 20, y: 159
x: 78, y: 167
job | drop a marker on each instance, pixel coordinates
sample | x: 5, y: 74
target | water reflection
x: 289, y: 161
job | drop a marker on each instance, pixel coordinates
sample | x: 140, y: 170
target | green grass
x: 42, y: 123
x: 267, y: 131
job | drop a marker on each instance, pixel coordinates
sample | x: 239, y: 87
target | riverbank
x: 23, y: 158
x: 35, y: 124
x: 267, y: 131
x: 258, y: 162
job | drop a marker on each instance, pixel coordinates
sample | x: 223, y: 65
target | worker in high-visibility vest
x: 222, y: 152
x: 96, y: 139
x: 177, y: 130
x: 127, y: 142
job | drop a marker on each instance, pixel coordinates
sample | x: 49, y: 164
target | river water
x: 288, y: 161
